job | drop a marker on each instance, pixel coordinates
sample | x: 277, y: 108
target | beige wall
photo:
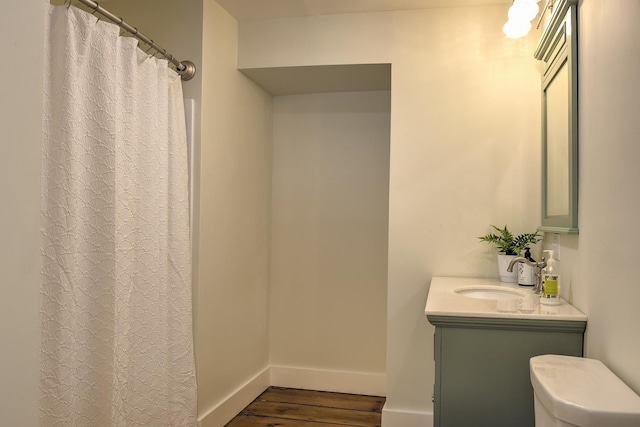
x: 235, y: 198
x: 608, y: 283
x: 21, y: 46
x: 465, y: 115
x: 329, y: 231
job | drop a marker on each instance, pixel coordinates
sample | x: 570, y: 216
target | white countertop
x: 443, y: 301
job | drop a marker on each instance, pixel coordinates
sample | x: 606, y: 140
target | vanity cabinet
x: 482, y: 367
x: 482, y: 354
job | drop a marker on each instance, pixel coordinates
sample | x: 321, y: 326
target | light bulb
x: 523, y: 10
x: 516, y: 29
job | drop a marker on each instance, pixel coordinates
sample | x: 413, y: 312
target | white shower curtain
x: 117, y: 341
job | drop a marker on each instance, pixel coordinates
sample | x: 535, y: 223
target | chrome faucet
x: 537, y: 265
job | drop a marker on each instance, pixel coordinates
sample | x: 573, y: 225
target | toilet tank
x: 574, y: 391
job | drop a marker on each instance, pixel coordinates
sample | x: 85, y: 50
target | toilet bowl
x: 579, y: 392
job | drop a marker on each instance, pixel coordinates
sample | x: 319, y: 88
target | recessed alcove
x: 329, y: 226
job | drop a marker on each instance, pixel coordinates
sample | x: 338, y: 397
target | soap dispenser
x: 550, y: 281
x: 526, y: 273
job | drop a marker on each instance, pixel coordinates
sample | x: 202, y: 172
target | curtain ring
x: 149, y: 55
x: 95, y: 9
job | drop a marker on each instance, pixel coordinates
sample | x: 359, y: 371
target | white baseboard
x: 223, y: 412
x: 304, y: 378
x: 404, y: 418
x: 317, y: 379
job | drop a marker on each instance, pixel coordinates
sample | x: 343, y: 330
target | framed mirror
x: 558, y: 52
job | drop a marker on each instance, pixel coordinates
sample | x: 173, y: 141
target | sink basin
x: 489, y: 292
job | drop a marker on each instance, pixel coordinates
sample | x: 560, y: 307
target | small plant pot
x: 503, y: 264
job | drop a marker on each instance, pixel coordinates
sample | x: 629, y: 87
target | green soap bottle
x: 550, y: 281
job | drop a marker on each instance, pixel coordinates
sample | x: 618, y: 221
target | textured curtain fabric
x: 117, y: 341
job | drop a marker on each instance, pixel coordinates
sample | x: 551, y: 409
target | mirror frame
x: 558, y: 48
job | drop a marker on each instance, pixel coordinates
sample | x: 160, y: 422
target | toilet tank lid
x: 583, y: 392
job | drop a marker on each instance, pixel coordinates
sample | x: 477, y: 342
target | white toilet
x: 578, y: 392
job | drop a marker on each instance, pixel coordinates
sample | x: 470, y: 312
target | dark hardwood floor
x: 288, y: 407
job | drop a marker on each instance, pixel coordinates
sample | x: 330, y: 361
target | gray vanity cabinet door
x: 482, y: 370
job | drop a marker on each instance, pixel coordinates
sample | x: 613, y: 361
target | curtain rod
x: 186, y: 69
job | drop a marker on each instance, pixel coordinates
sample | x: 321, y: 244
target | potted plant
x: 509, y: 246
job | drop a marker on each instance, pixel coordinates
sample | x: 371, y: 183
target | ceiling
x: 270, y: 9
